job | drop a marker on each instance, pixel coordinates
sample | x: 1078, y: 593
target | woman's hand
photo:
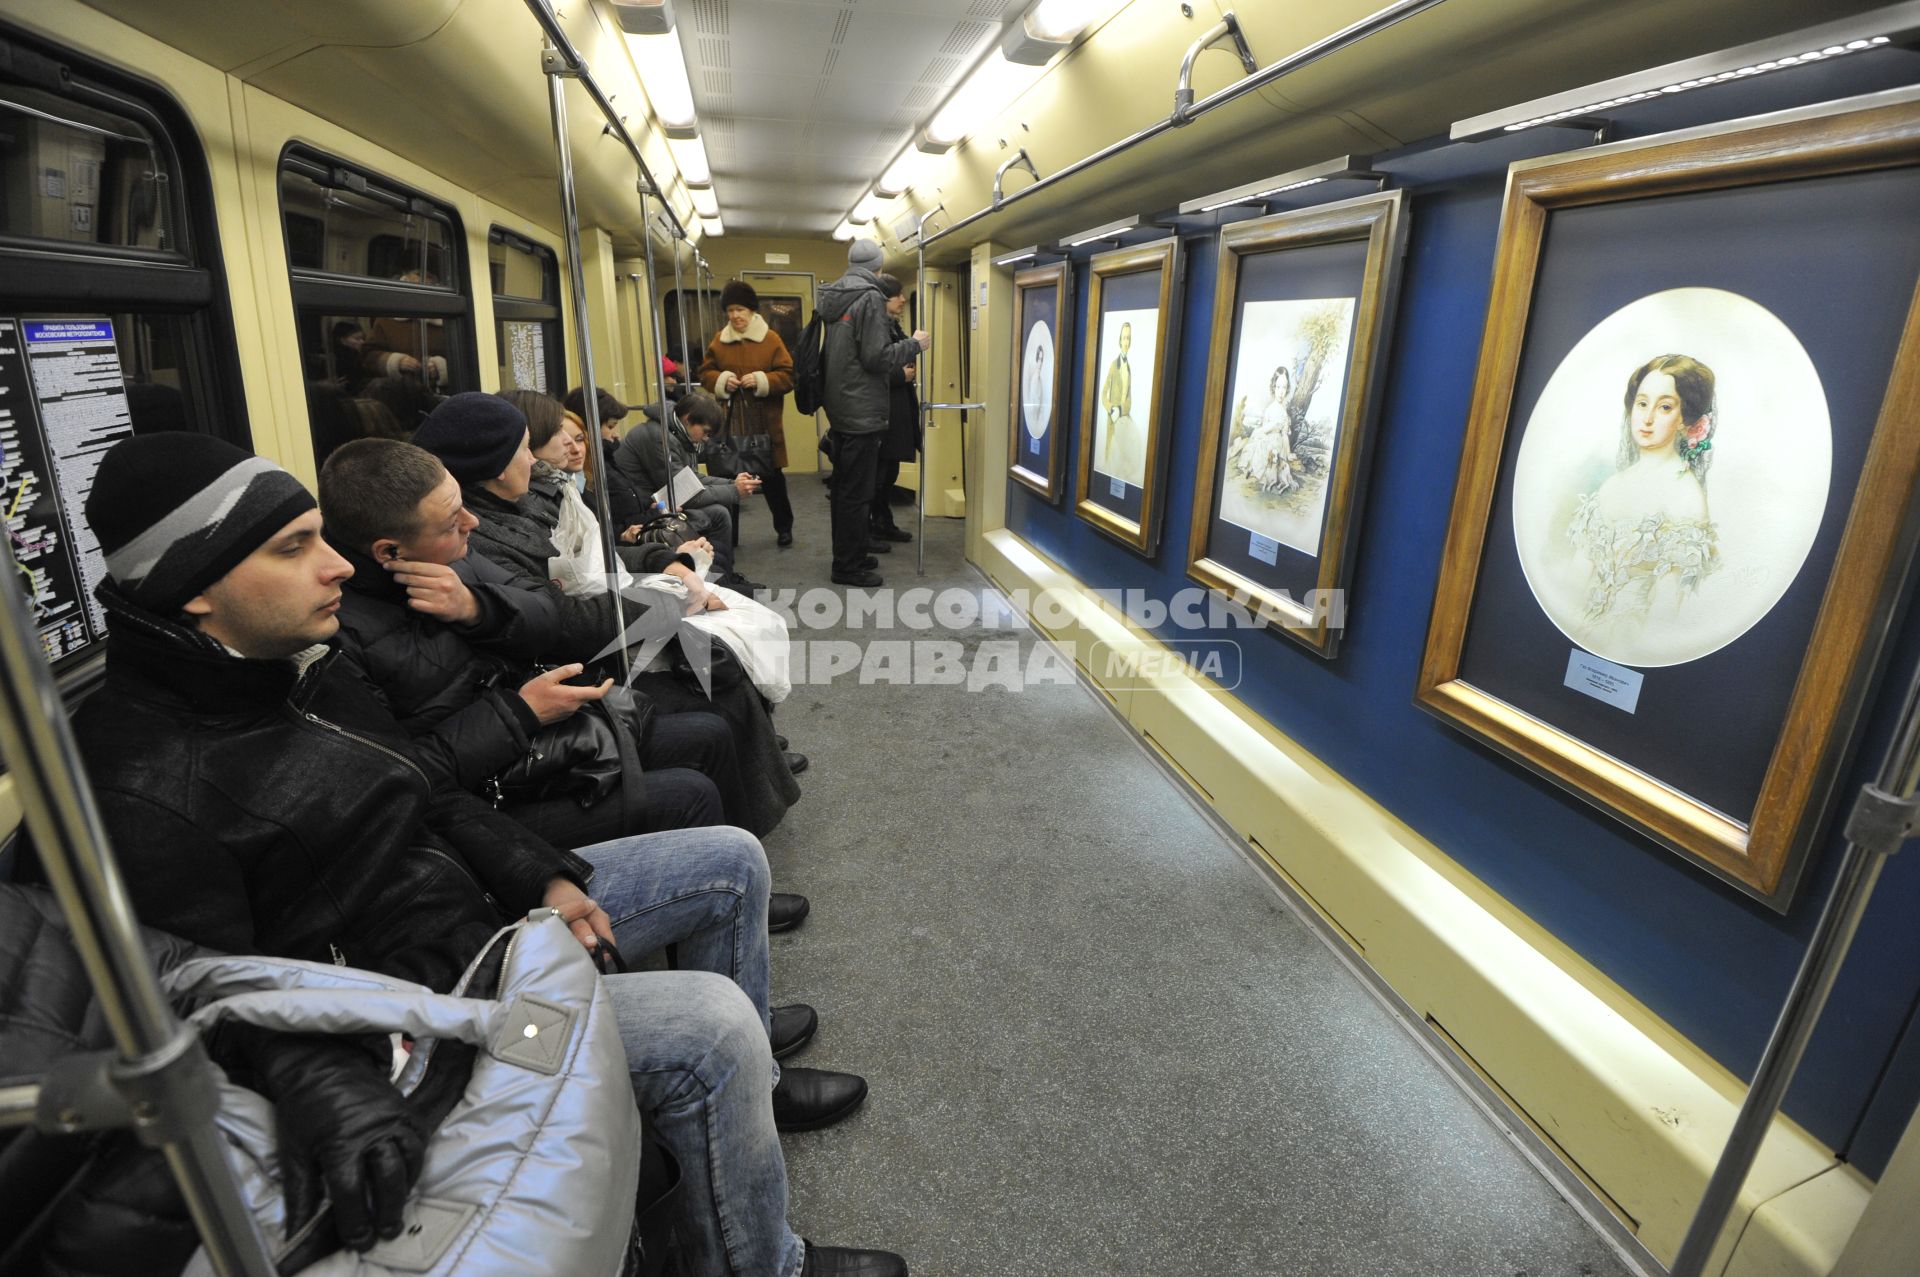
x: 724, y: 383
x: 759, y: 382
x: 748, y: 484
x: 631, y: 536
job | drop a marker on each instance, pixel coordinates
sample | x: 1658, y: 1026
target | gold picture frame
x: 1377, y: 222
x: 1870, y: 540
x: 1047, y: 481
x: 1132, y: 521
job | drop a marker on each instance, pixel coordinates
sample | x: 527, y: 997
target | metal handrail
x: 1342, y: 39
x: 1228, y: 26
x: 1017, y: 159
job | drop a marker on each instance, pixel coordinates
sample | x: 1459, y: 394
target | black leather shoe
x: 878, y: 547
x: 864, y: 577
x: 779, y: 740
x: 793, y: 1028
x: 841, y: 1261
x: 784, y: 540
x: 891, y: 533
x: 869, y: 563
x: 808, y: 1099
x: 796, y: 763
x: 785, y: 911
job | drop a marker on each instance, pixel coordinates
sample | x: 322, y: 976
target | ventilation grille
x: 710, y: 17
x: 715, y: 52
x: 939, y: 72
x: 965, y: 37
x: 986, y: 9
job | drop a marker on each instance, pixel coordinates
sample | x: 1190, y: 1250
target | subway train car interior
x: 990, y: 638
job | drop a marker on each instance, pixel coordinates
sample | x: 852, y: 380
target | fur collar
x: 756, y: 331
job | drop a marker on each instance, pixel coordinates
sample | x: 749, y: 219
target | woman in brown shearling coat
x: 746, y: 359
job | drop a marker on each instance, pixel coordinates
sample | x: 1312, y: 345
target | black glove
x: 345, y: 1131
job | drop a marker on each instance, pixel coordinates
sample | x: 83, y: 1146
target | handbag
x: 585, y: 756
x: 735, y: 448
x: 541, y: 1157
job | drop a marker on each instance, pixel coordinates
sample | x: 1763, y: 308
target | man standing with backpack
x: 858, y: 352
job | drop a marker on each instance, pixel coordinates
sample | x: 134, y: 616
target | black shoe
x: 796, y: 763
x: 891, y: 533
x: 779, y: 740
x: 808, y: 1099
x: 792, y: 1029
x: 865, y: 577
x: 878, y: 547
x: 869, y: 563
x: 784, y: 540
x: 785, y: 911
x: 734, y: 581
x: 841, y: 1261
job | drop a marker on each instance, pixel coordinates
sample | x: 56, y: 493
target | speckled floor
x: 1097, y: 1041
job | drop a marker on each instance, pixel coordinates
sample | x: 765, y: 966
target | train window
x: 384, y: 323
x: 526, y: 313
x: 113, y: 313
x: 697, y: 314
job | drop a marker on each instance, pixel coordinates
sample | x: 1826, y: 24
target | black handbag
x: 735, y: 448
x: 585, y: 756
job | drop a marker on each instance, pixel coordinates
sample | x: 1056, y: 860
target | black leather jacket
x: 256, y: 808
x: 433, y: 679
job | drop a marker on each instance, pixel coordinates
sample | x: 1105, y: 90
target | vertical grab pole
x: 1882, y: 819
x: 177, y: 1093
x: 558, y: 73
x: 920, y: 386
x: 660, y: 351
x: 680, y: 306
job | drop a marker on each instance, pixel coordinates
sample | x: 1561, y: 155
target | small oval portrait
x: 1036, y: 380
x: 1672, y: 477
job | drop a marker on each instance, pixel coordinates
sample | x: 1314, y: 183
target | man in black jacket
x: 857, y: 356
x: 445, y: 653
x: 650, y: 448
x: 259, y: 804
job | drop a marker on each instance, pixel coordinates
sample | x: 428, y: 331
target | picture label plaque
x: 1603, y: 680
x: 1265, y: 549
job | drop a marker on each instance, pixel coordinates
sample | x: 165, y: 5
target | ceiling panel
x: 820, y: 94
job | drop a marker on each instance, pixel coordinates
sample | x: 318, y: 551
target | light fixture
x: 843, y: 232
x: 1032, y: 255
x: 705, y: 203
x: 1044, y: 30
x: 906, y: 169
x: 663, y: 73
x: 690, y: 157
x: 1340, y: 167
x: 864, y: 208
x: 993, y: 83
x: 1111, y: 231
x: 711, y: 227
x: 644, y: 17
x: 1873, y: 29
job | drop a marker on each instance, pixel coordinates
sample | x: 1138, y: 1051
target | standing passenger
x: 902, y: 441
x: 747, y: 358
x: 857, y: 356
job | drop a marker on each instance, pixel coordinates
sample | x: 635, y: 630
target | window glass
x: 77, y: 174
x: 341, y: 223
x: 520, y: 269
x: 526, y: 288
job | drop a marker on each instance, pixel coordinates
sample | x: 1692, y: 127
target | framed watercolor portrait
x: 1042, y: 334
x: 1300, y: 317
x: 1125, y: 392
x: 1685, y: 506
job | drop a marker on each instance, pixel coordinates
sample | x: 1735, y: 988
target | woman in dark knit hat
x: 748, y: 363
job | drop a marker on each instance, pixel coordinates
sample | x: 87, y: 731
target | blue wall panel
x: 1710, y: 961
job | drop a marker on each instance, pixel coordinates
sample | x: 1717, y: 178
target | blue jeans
x: 696, y: 1038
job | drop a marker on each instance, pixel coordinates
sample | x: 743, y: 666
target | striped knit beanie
x: 175, y: 512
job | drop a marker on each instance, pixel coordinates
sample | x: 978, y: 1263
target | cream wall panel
x: 991, y: 381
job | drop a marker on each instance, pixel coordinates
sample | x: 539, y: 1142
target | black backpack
x: 810, y: 366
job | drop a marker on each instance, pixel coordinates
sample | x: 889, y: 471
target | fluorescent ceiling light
x: 864, y: 208
x: 712, y: 226
x: 843, y: 232
x: 1876, y: 28
x: 663, y: 74
x: 644, y: 17
x: 992, y: 85
x: 1060, y: 20
x: 901, y: 175
x: 690, y: 157
x: 705, y: 203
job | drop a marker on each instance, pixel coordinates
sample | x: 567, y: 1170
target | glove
x: 724, y: 383
x: 346, y: 1134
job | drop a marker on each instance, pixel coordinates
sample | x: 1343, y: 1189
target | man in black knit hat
x: 258, y: 805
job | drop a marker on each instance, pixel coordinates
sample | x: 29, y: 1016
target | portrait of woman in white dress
x: 1672, y: 478
x: 1036, y: 381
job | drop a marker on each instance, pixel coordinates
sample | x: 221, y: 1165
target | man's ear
x: 197, y: 607
x: 385, y: 550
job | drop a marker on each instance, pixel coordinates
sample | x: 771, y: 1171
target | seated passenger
x: 482, y: 441
x: 259, y: 803
x: 579, y: 565
x: 642, y: 457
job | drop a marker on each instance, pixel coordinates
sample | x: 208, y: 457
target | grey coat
x: 859, y: 352
x: 640, y: 458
